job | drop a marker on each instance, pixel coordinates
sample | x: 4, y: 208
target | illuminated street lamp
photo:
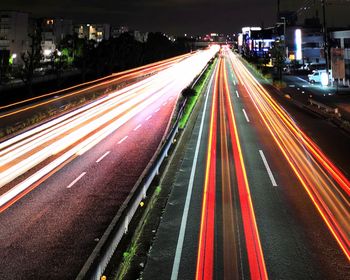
x: 325, y: 38
x: 324, y: 79
x: 47, y: 52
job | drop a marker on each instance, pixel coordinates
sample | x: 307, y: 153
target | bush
x: 187, y: 92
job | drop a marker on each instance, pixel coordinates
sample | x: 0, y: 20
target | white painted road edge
x: 76, y: 180
x: 273, y: 181
x: 246, y: 116
x: 180, y: 241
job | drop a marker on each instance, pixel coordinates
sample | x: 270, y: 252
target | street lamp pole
x: 284, y: 36
x: 325, y: 37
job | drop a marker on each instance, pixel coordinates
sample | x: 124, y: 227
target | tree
x: 277, y: 53
x: 31, y: 58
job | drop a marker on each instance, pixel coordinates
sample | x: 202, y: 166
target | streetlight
x: 325, y: 38
x: 284, y: 36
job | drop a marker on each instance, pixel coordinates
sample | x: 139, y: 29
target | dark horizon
x: 175, y: 16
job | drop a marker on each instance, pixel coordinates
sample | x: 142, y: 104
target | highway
x: 19, y: 113
x: 63, y: 181
x: 259, y: 198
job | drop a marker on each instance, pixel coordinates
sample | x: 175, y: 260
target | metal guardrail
x: 97, y: 262
x: 325, y: 108
x: 99, y: 259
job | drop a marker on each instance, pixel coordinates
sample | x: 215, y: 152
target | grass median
x: 192, y: 100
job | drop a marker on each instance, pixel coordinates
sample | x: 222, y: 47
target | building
x: 117, y: 31
x: 304, y: 43
x: 139, y: 36
x: 341, y: 43
x: 256, y: 41
x: 95, y: 32
x: 14, y: 28
x: 53, y: 30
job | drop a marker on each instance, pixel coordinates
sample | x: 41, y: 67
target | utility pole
x: 325, y: 37
x: 278, y: 10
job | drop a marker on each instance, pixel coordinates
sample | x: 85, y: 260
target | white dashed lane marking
x: 137, y: 127
x: 273, y: 181
x: 76, y: 180
x: 103, y: 156
x: 246, y: 116
x: 122, y: 140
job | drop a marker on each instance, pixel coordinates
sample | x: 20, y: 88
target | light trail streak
x: 205, y: 256
x: 325, y: 184
x: 255, y: 255
x: 61, y: 140
x: 112, y: 79
x: 230, y: 241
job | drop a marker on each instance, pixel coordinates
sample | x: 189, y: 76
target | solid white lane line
x: 137, y: 127
x: 150, y: 116
x: 273, y: 181
x: 180, y: 241
x: 157, y: 110
x: 246, y: 116
x: 122, y: 140
x: 237, y: 93
x: 76, y: 180
x: 103, y: 156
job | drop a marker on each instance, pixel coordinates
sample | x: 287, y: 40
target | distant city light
x: 47, y: 52
x: 14, y: 56
x: 298, y: 42
x: 59, y: 53
x: 240, y: 39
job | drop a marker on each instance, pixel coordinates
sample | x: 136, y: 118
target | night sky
x: 174, y: 16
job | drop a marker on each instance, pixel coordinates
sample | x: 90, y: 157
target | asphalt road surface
x: 63, y: 181
x: 255, y: 196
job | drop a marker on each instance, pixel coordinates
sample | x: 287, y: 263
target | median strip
x: 197, y: 90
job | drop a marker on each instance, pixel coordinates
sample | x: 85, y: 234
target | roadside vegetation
x: 192, y: 94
